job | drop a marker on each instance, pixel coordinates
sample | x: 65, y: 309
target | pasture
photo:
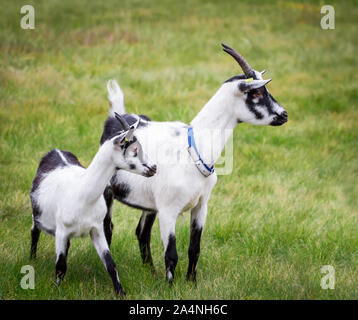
x: 290, y: 204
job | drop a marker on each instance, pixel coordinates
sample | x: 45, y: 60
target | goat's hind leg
x: 35, y: 234
x: 100, y: 243
x: 62, y: 246
x: 143, y: 233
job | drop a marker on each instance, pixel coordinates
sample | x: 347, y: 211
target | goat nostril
x: 284, y: 114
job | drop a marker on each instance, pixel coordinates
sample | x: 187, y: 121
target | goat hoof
x: 153, y: 271
x: 122, y: 294
x: 191, y: 277
x: 119, y: 291
x: 58, y: 281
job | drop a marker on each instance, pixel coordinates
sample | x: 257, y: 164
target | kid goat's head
x: 128, y: 154
x: 252, y: 101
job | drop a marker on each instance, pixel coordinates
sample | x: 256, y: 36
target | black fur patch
x: 112, y: 271
x: 242, y: 76
x: 61, y: 266
x: 144, y: 117
x: 35, y: 234
x: 266, y: 101
x: 194, y: 250
x: 143, y: 236
x: 107, y: 222
x: 108, y: 196
x: 171, y: 255
x: 49, y: 162
x: 238, y: 77
x: 120, y: 190
x: 175, y: 132
x: 132, y: 205
x: 71, y: 158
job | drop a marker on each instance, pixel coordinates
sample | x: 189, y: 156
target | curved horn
x: 239, y: 58
x: 123, y: 121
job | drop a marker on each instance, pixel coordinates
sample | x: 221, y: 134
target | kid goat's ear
x: 120, y: 139
x: 250, y: 84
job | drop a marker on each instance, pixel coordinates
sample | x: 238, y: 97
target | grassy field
x: 288, y: 208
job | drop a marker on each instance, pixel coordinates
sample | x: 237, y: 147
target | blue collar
x: 200, y: 164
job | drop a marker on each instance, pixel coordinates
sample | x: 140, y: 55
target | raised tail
x: 116, y: 98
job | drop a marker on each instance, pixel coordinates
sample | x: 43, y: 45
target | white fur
x: 116, y: 98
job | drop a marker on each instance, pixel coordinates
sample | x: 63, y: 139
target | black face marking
x: 279, y: 120
x: 264, y: 100
x: 127, y: 144
x: 171, y: 255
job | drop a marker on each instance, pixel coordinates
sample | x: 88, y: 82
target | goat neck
x: 99, y: 172
x: 214, y: 125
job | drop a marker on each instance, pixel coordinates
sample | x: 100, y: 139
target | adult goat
x: 184, y: 180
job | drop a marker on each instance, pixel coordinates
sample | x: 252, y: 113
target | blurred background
x: 288, y: 208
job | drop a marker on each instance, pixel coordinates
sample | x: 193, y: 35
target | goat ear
x: 249, y: 84
x: 120, y: 139
x: 129, y: 133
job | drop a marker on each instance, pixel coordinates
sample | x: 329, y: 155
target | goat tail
x: 116, y: 98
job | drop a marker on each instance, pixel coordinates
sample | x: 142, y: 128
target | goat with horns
x: 184, y: 180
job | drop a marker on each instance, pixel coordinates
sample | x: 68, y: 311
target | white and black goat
x: 67, y: 199
x: 178, y: 185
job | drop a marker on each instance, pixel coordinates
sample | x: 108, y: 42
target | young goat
x: 187, y: 184
x: 67, y: 199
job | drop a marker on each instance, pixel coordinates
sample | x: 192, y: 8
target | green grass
x: 288, y: 208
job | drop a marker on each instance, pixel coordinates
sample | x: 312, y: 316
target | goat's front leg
x: 107, y: 222
x: 100, y: 243
x: 143, y: 233
x: 62, y: 245
x: 198, y: 218
x: 167, y: 220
